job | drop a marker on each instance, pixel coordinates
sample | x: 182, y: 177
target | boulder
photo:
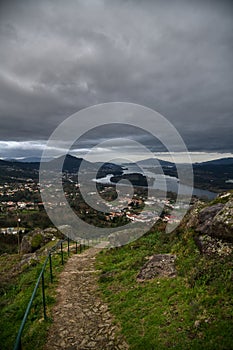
x: 222, y: 225
x: 26, y: 245
x: 29, y: 259
x: 159, y: 265
x: 217, y: 221
x: 191, y: 219
x: 205, y: 218
x: 36, y: 239
x: 212, y: 246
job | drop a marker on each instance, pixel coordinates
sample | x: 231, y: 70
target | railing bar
x: 43, y: 295
x: 50, y: 267
x: 18, y: 344
x: 18, y: 339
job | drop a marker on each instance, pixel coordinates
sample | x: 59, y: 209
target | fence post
x: 50, y: 268
x: 68, y: 246
x: 62, y: 261
x: 43, y: 295
x: 76, y: 247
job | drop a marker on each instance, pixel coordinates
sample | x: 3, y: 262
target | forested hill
x: 216, y: 175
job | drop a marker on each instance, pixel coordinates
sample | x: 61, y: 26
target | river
x: 172, y: 183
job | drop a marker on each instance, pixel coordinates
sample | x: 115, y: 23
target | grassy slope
x: 192, y: 311
x: 16, y: 290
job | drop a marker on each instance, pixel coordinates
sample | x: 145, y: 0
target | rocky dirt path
x: 81, y: 318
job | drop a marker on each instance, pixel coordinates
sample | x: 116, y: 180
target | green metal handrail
x: 17, y: 345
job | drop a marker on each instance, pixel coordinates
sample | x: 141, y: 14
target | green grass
x: 16, y: 292
x: 191, y: 311
x: 222, y: 199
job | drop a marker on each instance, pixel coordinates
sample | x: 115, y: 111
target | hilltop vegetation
x: 194, y: 309
x: 189, y: 309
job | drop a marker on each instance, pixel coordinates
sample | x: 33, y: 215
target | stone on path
x: 81, y: 318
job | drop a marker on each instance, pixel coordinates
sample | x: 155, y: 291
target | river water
x: 172, y: 183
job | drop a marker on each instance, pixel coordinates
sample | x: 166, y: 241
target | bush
x: 36, y: 241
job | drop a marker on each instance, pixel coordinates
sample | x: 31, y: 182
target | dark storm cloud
x: 173, y: 56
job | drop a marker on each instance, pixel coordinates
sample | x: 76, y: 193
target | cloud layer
x: 173, y: 56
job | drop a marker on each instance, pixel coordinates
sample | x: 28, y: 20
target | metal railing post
x: 43, y: 295
x: 50, y: 268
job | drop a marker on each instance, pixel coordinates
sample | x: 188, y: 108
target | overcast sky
x: 57, y: 57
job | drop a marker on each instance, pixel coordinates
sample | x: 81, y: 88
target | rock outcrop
x: 213, y: 224
x: 217, y: 221
x: 36, y: 239
x: 214, y: 220
x: 213, y: 246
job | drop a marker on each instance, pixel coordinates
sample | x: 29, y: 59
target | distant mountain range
x: 212, y: 175
x: 23, y: 160
x: 150, y: 162
x: 221, y: 161
x: 144, y: 162
x: 19, y: 169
